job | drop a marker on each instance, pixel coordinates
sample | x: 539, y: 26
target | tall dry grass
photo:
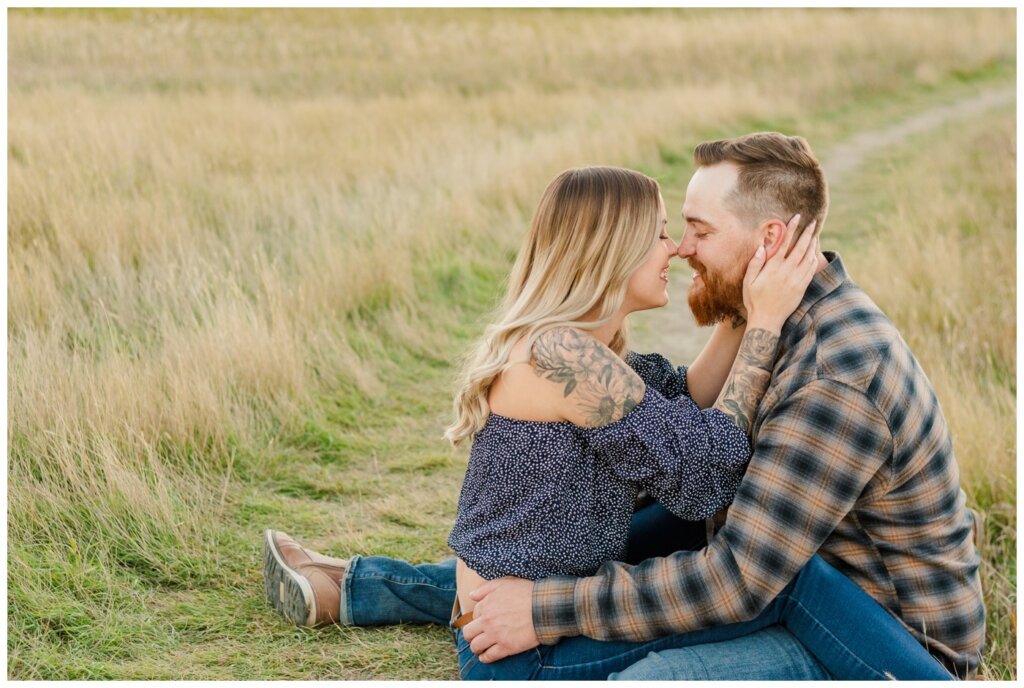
x: 945, y: 272
x: 939, y: 256
x: 211, y: 213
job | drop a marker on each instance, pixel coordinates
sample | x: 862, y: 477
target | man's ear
x: 773, y: 236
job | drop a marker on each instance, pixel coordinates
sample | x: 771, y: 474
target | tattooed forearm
x: 602, y: 386
x: 749, y: 377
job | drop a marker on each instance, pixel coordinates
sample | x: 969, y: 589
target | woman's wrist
x: 756, y: 321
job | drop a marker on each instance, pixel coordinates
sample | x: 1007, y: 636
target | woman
x: 550, y: 404
x: 565, y: 432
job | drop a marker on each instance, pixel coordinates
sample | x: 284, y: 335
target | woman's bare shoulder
x: 519, y: 392
x: 596, y: 387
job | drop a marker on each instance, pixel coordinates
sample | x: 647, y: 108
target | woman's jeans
x: 380, y: 591
x: 849, y: 633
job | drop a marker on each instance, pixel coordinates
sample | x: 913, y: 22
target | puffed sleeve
x: 659, y: 373
x: 690, y: 460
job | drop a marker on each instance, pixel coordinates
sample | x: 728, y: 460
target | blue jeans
x: 769, y: 655
x: 849, y: 633
x: 844, y: 628
x: 380, y: 591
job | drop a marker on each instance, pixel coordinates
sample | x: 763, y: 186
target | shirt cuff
x: 554, y: 609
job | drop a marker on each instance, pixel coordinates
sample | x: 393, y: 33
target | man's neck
x: 822, y: 265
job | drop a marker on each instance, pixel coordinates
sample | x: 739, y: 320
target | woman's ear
x: 773, y: 236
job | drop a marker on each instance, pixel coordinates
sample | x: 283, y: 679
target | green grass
x: 367, y: 475
x: 111, y: 586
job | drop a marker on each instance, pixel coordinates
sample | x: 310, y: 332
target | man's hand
x: 502, y: 619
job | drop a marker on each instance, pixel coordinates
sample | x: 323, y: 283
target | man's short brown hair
x: 779, y: 176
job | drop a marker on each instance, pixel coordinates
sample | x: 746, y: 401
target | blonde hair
x: 593, y: 228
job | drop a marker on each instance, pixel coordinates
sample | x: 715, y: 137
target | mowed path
x: 671, y: 330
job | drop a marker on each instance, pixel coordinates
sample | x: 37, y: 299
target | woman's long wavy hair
x: 592, y: 229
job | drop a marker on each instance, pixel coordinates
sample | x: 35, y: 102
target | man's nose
x: 687, y: 246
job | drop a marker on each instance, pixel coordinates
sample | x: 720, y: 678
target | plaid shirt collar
x: 824, y: 283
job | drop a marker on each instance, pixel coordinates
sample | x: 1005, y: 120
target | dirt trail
x: 672, y: 331
x: 844, y: 158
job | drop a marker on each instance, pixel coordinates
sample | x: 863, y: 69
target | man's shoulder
x: 853, y: 338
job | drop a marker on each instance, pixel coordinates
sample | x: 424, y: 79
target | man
x: 852, y: 459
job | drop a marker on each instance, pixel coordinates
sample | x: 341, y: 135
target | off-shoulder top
x: 545, y: 498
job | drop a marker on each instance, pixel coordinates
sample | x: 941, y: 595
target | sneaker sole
x: 287, y: 592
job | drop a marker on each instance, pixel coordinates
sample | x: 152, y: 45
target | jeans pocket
x: 543, y: 654
x: 461, y: 644
x: 466, y: 658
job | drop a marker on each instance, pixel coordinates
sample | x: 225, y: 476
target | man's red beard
x: 718, y: 299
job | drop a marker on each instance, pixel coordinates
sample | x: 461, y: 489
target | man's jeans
x: 851, y: 635
x: 849, y: 632
x: 769, y: 655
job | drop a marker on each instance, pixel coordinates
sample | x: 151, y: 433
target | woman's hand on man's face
x: 773, y: 288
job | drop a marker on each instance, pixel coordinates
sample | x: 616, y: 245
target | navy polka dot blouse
x: 554, y: 498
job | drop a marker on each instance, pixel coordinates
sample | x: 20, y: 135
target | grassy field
x: 938, y: 254
x: 245, y: 248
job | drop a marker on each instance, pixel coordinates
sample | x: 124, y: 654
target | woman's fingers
x: 811, y: 247
x: 817, y: 234
x: 810, y: 261
x: 795, y: 262
x: 811, y: 265
x: 791, y: 226
x: 815, y: 244
x: 804, y: 243
x: 754, y: 266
